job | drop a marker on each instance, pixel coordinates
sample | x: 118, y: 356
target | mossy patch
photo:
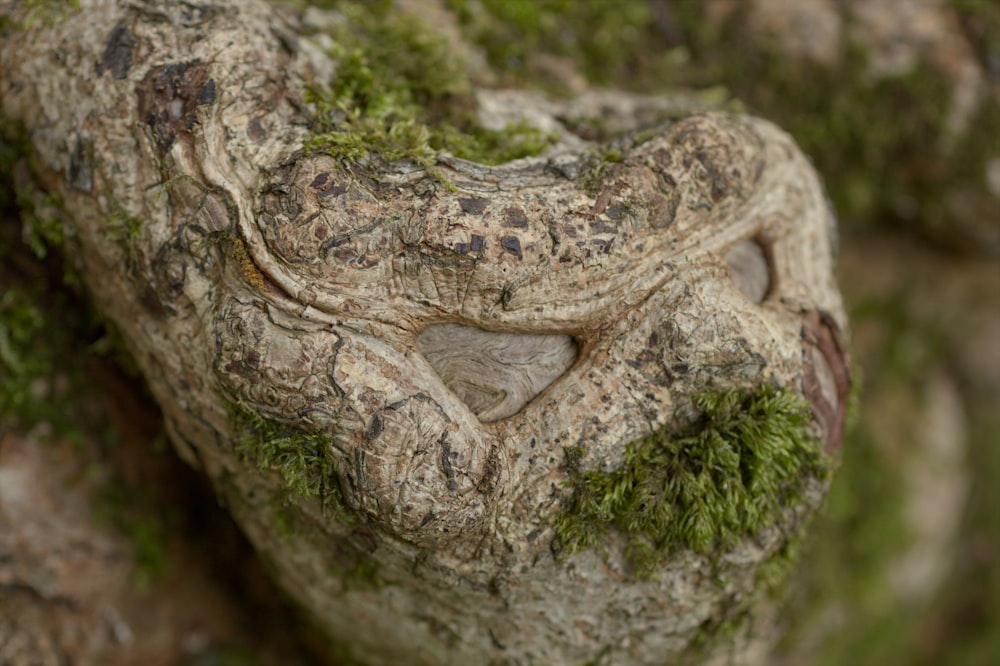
x: 858, y: 536
x: 604, y: 40
x: 39, y: 212
x: 26, y: 367
x: 980, y: 20
x: 883, y: 144
x: 729, y: 475
x: 304, y: 460
x: 124, y: 229
x: 877, y: 161
x: 364, y: 575
x: 48, y: 333
x: 40, y: 13
x: 399, y: 93
x: 146, y: 522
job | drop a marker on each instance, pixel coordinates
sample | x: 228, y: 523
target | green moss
x: 730, y: 475
x: 40, y: 13
x: 859, y: 534
x: 147, y: 522
x: 41, y: 221
x: 47, y: 338
x: 604, y: 40
x: 729, y: 620
x: 774, y: 572
x: 26, y: 362
x: 304, y: 460
x: 980, y: 21
x: 48, y: 333
x: 364, y: 575
x: 876, y: 160
x: 881, y: 143
x: 124, y: 229
x: 601, y: 163
x: 872, y: 156
x: 399, y: 93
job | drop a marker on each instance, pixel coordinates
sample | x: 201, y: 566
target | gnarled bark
x: 332, y: 310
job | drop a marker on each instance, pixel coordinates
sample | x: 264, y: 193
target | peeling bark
x: 312, y: 293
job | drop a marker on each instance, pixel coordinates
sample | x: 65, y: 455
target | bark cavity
x: 750, y: 269
x: 495, y: 373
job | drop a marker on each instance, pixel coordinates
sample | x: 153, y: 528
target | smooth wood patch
x: 496, y: 374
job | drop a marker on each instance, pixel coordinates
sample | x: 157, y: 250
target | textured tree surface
x: 423, y: 358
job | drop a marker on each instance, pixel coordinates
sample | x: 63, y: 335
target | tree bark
x: 401, y: 376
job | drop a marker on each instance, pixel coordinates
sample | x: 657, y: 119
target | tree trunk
x: 572, y: 408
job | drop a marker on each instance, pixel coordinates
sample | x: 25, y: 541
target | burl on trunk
x: 567, y: 408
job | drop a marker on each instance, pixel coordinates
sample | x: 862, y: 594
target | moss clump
x: 729, y: 475
x: 399, y: 93
x: 304, y: 460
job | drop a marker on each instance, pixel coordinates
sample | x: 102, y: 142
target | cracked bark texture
x: 300, y: 287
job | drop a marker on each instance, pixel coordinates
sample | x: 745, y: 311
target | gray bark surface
x: 327, y: 295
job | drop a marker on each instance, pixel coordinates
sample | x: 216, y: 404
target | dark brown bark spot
x: 256, y: 130
x: 473, y: 205
x: 169, y: 97
x: 512, y: 244
x: 514, y: 217
x: 207, y: 93
x: 599, y: 227
x: 374, y: 428
x: 81, y: 171
x: 446, y: 465
x: 117, y: 57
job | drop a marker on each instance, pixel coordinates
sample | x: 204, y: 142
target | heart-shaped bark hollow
x: 495, y: 373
